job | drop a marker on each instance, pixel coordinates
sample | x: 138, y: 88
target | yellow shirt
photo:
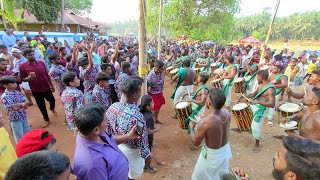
x: 289, y: 72
x: 42, y: 49
x: 7, y: 153
x: 311, y: 67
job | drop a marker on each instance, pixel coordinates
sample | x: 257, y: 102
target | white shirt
x: 245, y: 59
x: 303, y: 70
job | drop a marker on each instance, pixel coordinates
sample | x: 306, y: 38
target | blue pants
x: 19, y: 128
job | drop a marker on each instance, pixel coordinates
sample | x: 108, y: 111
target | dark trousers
x: 114, y: 97
x: 40, y: 98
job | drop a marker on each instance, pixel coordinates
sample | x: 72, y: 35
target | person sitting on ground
x: 36, y: 140
x: 47, y: 165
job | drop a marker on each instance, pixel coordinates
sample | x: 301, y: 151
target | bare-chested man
x: 227, y: 78
x: 262, y: 98
x: 199, y: 98
x: 279, y: 81
x: 216, y: 152
x: 185, y: 79
x: 309, y: 118
x: 250, y: 75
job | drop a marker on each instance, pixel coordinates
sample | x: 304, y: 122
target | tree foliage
x: 297, y: 26
x: 79, y: 6
x: 199, y: 19
x: 123, y: 28
x: 9, y: 15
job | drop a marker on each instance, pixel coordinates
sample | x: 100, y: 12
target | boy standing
x: 101, y: 91
x: 56, y: 71
x: 14, y: 102
x: 72, y: 98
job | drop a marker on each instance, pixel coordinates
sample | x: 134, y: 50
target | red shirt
x: 63, y: 62
x: 7, y: 73
x: 42, y: 81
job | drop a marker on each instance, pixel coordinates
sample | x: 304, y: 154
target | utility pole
x: 270, y: 30
x: 160, y: 27
x: 143, y: 63
x: 62, y: 14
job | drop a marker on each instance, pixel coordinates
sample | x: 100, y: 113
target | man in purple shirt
x: 97, y: 155
x: 35, y: 72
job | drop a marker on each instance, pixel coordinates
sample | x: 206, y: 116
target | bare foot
x: 238, y: 130
x: 161, y: 162
x: 158, y: 122
x: 54, y: 112
x: 256, y: 149
x: 29, y: 104
x: 280, y: 137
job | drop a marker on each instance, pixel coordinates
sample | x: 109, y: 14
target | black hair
x: 83, y: 61
x: 125, y: 65
x: 217, y: 98
x: 317, y: 72
x: 38, y: 165
x: 89, y: 117
x: 279, y: 66
x: 3, y: 47
x: 145, y: 101
x: 264, y: 74
x: 68, y: 77
x: 132, y: 85
x: 186, y: 63
x: 104, y: 58
x: 105, y: 66
x: 204, y: 77
x: 69, y: 58
x: 53, y: 57
x: 102, y: 77
x: 27, y: 51
x: 5, y: 80
x: 303, y: 157
x: 2, y: 59
x: 158, y: 64
x: 62, y: 48
x: 230, y: 59
x: 45, y: 135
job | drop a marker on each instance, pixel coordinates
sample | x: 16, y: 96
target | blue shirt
x: 94, y: 160
x: 9, y: 40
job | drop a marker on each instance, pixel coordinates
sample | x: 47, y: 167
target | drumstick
x: 305, y: 90
x: 289, y: 80
x: 188, y: 93
x: 245, y: 97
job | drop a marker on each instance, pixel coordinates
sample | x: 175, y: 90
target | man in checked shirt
x: 122, y: 117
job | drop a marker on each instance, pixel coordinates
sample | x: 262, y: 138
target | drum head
x: 239, y: 79
x: 218, y: 71
x: 239, y: 106
x: 214, y: 64
x: 216, y: 80
x: 196, y: 69
x: 174, y: 71
x: 265, y: 67
x: 289, y: 107
x: 181, y: 105
x: 170, y: 67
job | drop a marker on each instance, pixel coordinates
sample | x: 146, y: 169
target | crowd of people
x: 97, y: 83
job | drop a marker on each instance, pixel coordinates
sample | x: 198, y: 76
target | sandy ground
x: 172, y: 143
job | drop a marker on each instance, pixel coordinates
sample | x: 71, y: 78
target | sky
x: 121, y: 10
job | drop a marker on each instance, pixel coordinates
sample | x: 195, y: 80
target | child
x: 56, y: 71
x: 72, y: 98
x: 111, y: 71
x: 14, y: 102
x: 101, y: 91
x: 146, y: 107
x: 311, y: 67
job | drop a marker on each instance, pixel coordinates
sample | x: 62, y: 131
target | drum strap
x: 181, y: 76
x: 278, y: 91
x: 269, y: 85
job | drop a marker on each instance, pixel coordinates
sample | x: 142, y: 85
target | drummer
x: 185, y: 80
x: 314, y: 81
x: 227, y: 78
x: 309, y: 118
x: 262, y: 98
x: 250, y: 75
x: 280, y: 81
x: 205, y: 62
x: 199, y: 98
